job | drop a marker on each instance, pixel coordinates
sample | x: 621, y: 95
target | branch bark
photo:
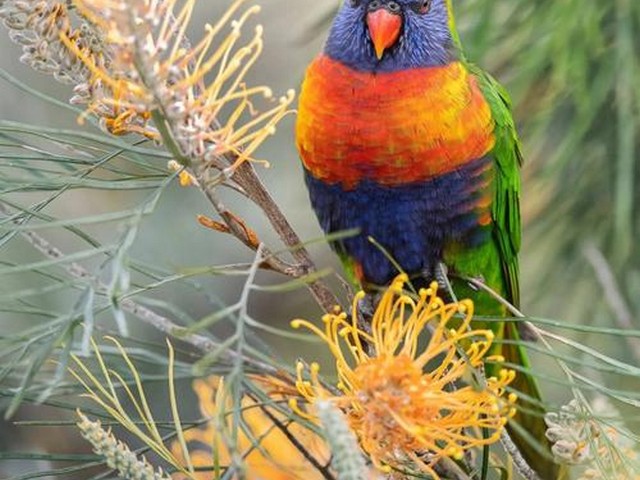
x: 247, y: 178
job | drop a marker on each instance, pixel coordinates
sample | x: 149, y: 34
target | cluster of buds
x: 116, y: 454
x: 580, y: 439
x: 134, y: 68
x: 156, y: 72
x: 38, y: 25
x: 570, y: 431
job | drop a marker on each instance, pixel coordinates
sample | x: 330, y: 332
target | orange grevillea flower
x: 266, y: 451
x: 403, y: 381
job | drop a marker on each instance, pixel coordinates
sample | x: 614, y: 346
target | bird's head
x: 391, y: 35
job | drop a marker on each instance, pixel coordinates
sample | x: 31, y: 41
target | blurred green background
x: 573, y: 69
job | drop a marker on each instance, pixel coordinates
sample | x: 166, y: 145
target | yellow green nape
x: 453, y: 29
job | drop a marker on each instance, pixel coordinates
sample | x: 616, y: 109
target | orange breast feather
x: 392, y: 128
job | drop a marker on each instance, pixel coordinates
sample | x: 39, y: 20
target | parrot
x: 406, y: 142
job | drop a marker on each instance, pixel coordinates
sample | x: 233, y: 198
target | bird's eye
x: 394, y: 7
x: 422, y: 7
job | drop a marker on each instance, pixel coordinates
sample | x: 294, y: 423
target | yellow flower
x: 407, y: 401
x: 266, y: 451
x: 149, y: 79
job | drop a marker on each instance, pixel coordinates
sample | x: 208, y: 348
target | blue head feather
x: 425, y: 41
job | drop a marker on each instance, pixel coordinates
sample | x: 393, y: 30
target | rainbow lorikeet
x: 405, y: 141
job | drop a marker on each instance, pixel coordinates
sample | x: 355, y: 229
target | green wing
x: 508, y: 159
x: 507, y: 234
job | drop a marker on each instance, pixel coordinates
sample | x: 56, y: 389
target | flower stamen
x: 407, y: 402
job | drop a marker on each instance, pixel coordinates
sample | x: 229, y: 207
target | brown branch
x: 520, y: 463
x: 451, y: 470
x: 167, y: 118
x: 241, y: 231
x: 247, y: 178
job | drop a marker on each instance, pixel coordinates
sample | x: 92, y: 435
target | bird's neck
x: 400, y: 58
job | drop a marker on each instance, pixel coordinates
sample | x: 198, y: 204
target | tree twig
x: 252, y: 187
x: 521, y: 464
x: 323, y: 470
x: 239, y: 230
x: 261, y: 196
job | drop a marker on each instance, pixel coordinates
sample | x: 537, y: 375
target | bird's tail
x: 527, y: 429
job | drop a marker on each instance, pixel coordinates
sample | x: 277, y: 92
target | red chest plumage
x: 392, y: 128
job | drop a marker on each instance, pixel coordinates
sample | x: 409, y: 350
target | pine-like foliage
x: 149, y: 220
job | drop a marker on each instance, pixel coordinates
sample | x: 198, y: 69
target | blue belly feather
x: 414, y: 223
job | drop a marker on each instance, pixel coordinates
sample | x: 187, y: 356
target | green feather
x: 504, y: 257
x: 497, y: 263
x: 506, y: 204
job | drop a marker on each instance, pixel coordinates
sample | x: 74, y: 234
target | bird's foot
x: 440, y: 274
x: 366, y: 310
x: 442, y: 277
x: 367, y: 307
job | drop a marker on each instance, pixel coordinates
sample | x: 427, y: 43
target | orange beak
x: 384, y: 28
